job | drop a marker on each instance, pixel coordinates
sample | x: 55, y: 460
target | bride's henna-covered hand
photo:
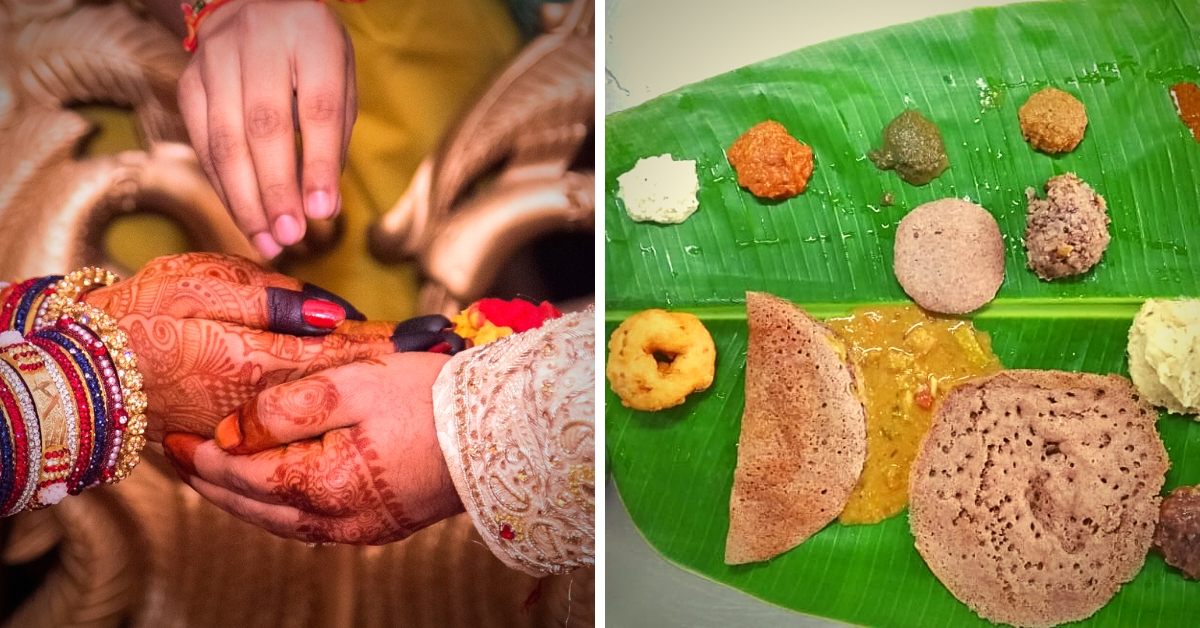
x: 204, y: 328
x: 349, y: 455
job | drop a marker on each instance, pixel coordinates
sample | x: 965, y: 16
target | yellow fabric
x: 420, y: 64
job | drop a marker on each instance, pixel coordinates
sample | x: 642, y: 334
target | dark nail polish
x: 430, y: 323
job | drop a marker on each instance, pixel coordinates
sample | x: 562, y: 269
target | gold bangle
x: 117, y: 342
x: 70, y: 288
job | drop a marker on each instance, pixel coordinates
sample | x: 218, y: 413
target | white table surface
x: 653, y: 47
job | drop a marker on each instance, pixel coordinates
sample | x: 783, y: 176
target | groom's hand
x: 348, y: 455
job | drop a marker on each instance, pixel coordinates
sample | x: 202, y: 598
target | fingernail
x: 352, y: 313
x: 323, y: 314
x: 266, y: 244
x: 287, y: 230
x: 318, y: 205
x: 181, y: 451
x: 229, y: 433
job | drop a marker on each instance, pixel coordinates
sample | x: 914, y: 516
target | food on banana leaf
x: 1065, y: 233
x: 913, y: 147
x: 1053, y: 121
x: 660, y: 189
x: 803, y: 434
x: 1186, y: 97
x: 1178, y: 533
x: 1164, y: 354
x: 771, y: 163
x: 949, y: 256
x: 1035, y: 494
x: 657, y: 358
x: 907, y: 360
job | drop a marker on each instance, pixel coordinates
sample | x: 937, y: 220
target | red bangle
x: 195, y: 13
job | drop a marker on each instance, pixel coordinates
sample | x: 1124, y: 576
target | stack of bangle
x: 71, y: 404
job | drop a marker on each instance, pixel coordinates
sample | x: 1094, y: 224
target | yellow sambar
x: 907, y: 359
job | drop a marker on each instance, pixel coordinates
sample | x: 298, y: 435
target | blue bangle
x: 21, y: 317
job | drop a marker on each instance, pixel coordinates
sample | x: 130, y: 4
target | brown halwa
x: 1178, y: 531
x: 907, y: 360
x: 1053, y: 121
x: 770, y: 163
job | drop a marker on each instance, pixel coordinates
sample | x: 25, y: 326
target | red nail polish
x: 323, y: 314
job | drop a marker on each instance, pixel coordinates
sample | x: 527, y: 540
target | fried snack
x: 657, y: 358
x: 1053, y: 121
x: 770, y: 163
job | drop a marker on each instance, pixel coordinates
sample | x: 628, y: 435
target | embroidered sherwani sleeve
x: 516, y: 422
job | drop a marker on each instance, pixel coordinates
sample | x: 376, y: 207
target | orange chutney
x: 906, y: 360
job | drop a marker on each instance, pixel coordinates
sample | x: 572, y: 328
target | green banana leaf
x: 830, y: 249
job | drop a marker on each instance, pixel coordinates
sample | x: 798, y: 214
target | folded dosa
x: 804, y: 435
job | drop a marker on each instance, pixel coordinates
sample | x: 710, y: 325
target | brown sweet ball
x: 770, y: 163
x: 1053, y: 121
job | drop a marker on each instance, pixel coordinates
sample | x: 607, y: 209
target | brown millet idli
x: 803, y: 439
x: 949, y: 256
x: 1035, y: 494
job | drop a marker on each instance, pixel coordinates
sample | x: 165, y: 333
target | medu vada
x: 657, y: 358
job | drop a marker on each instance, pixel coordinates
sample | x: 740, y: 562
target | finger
x: 277, y: 519
x: 322, y: 107
x: 259, y: 477
x: 295, y: 313
x: 193, y: 104
x: 267, y: 90
x: 273, y: 309
x: 365, y: 329
x: 229, y: 152
x: 304, y: 409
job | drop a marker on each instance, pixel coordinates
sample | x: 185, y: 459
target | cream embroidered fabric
x: 516, y: 419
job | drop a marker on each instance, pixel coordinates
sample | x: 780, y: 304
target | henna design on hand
x: 228, y: 268
x: 198, y: 371
x: 364, y: 465
x: 338, y: 502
